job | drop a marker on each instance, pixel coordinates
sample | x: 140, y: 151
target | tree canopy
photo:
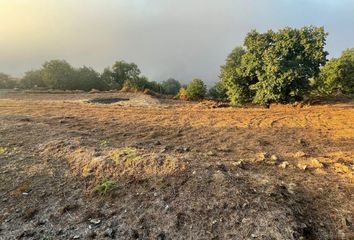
x: 275, y: 66
x: 196, y: 89
x: 337, y: 75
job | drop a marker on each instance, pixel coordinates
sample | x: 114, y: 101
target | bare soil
x: 178, y: 170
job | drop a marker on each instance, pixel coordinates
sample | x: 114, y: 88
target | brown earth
x: 175, y: 170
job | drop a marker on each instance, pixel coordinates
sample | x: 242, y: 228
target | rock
x: 110, y: 232
x: 299, y: 154
x: 95, y: 221
x: 221, y: 167
x: 157, y: 143
x: 284, y: 164
x: 76, y: 237
x: 261, y: 156
x: 238, y: 163
x: 274, y: 157
x: 211, y: 153
x: 224, y: 149
x: 302, y: 166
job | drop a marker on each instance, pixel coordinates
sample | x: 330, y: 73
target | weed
x: 131, y: 154
x: 104, y: 143
x: 3, y: 150
x: 105, y: 186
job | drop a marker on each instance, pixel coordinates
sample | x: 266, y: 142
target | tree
x: 108, y: 79
x: 137, y: 83
x: 171, y: 86
x: 236, y: 86
x: 32, y: 79
x: 58, y: 74
x: 87, y: 79
x: 277, y: 66
x: 337, y: 75
x: 6, y: 82
x: 123, y: 71
x: 218, y: 91
x: 196, y: 89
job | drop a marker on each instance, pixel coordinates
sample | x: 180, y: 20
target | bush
x: 32, y: 79
x: 6, y: 82
x: 337, y: 75
x: 182, y: 94
x: 196, y: 89
x: 171, y: 86
x: 218, y: 92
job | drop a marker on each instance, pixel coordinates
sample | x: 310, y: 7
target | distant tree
x: 108, y: 79
x: 58, y: 74
x: 337, y: 75
x: 218, y: 91
x: 155, y: 87
x: 138, y: 83
x: 196, y: 89
x: 86, y: 79
x: 277, y: 66
x: 32, y: 79
x: 6, y: 82
x: 123, y: 71
x: 171, y: 86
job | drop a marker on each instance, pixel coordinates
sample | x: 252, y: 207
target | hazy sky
x: 183, y: 39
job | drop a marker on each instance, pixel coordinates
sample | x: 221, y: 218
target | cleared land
x: 173, y: 170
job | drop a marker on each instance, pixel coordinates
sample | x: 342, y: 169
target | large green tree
x: 337, y: 75
x: 277, y: 66
x: 123, y: 71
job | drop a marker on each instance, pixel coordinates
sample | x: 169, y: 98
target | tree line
x: 276, y: 66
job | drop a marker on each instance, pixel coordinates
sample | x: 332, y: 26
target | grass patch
x: 105, y: 186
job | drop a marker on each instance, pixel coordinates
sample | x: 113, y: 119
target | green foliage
x: 218, y: 91
x: 138, y: 83
x: 171, y: 86
x: 276, y: 66
x: 6, y: 82
x: 32, y: 79
x: 86, y: 79
x: 337, y: 75
x: 58, y: 74
x: 123, y: 71
x: 3, y: 150
x: 196, y: 89
x: 182, y: 94
x: 105, y: 186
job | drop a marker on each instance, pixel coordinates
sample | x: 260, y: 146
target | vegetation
x: 274, y: 66
x: 105, y: 186
x: 6, y: 82
x: 196, y: 89
x: 218, y: 92
x: 171, y: 86
x: 337, y: 75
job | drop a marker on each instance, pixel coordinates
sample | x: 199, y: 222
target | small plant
x: 105, y: 186
x: 2, y: 150
x: 104, y: 143
x: 131, y: 153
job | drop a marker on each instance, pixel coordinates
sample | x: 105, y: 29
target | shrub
x: 6, y: 82
x: 105, y: 186
x: 171, y: 86
x: 196, y: 89
x: 32, y: 79
x: 182, y: 94
x: 218, y: 92
x: 337, y: 75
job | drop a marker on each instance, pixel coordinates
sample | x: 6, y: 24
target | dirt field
x: 144, y: 168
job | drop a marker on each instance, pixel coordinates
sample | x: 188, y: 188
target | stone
x: 299, y: 154
x: 284, y: 164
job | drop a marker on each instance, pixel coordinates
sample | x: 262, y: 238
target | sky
x: 183, y: 39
